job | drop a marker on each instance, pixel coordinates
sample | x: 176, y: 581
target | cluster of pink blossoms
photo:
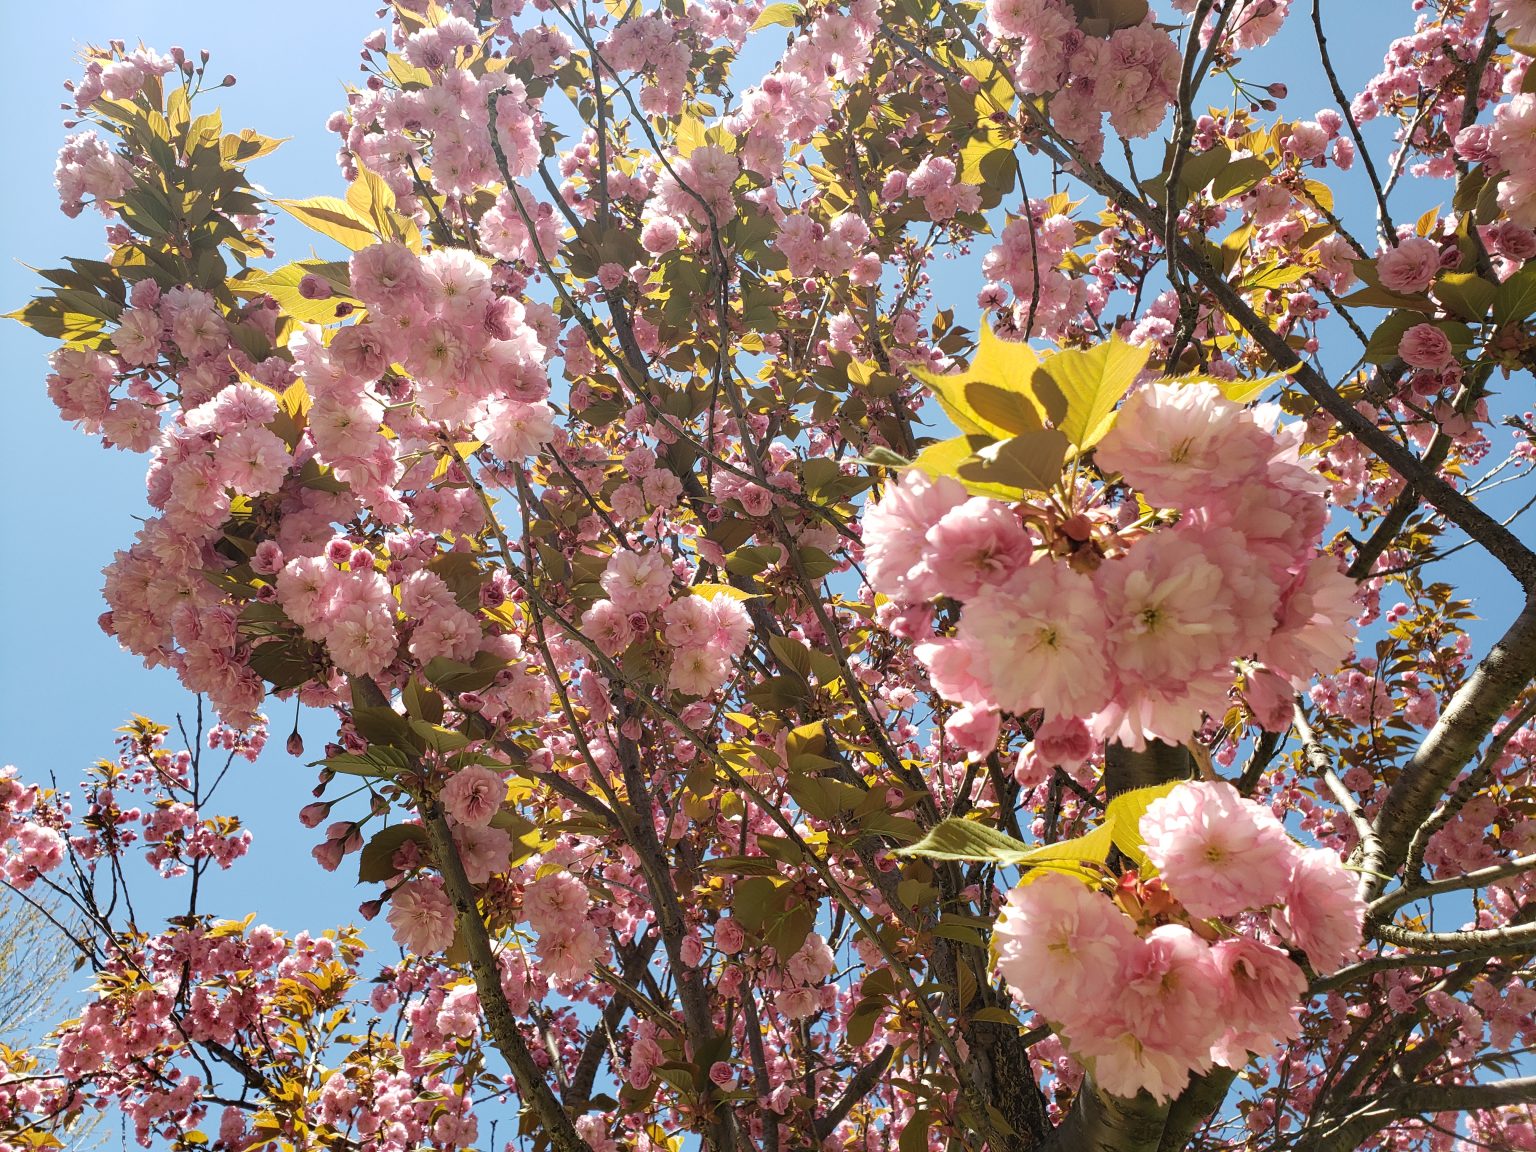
x: 1132, y: 75
x: 29, y: 846
x: 476, y: 361
x: 1139, y: 648
x: 705, y: 634
x: 1146, y: 1004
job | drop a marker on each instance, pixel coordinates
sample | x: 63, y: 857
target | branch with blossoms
x: 773, y: 712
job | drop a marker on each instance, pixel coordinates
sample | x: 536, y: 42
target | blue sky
x: 64, y: 684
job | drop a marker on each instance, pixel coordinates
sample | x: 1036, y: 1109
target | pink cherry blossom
x: 1264, y: 991
x: 1410, y: 267
x: 1218, y: 853
x: 896, y: 529
x: 473, y: 795
x: 1321, y: 911
x: 421, y: 917
x: 1038, y: 641
x: 1057, y: 940
x: 1177, y: 443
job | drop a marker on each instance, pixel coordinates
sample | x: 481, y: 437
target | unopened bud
x: 295, y: 743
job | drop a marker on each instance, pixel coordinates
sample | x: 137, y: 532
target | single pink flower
x: 1322, y: 912
x: 1219, y: 853
x: 1060, y: 944
x: 1409, y: 268
x: 1037, y: 641
x: 421, y: 917
x: 473, y: 795
x: 1264, y: 990
x: 1426, y: 346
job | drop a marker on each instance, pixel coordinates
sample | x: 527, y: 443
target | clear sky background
x: 66, y: 504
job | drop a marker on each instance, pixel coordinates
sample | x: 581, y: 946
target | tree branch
x: 1473, y: 711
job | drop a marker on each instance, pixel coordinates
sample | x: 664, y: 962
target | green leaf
x: 1093, y: 382
x: 1466, y: 294
x: 792, y: 654
x: 248, y: 145
x: 1239, y: 391
x: 1123, y: 818
x: 282, y: 284
x: 754, y: 558
x: 1238, y: 177
x: 374, y: 867
x: 945, y: 458
x: 785, y: 14
x: 332, y: 217
x: 1010, y: 411
x: 957, y: 839
x: 914, y: 1134
x: 1515, y: 299
x: 1032, y: 461
x: 383, y: 725
x: 379, y: 761
x: 48, y: 316
x: 1009, y: 366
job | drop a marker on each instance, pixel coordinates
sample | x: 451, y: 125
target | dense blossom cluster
x: 1210, y: 986
x: 1142, y: 645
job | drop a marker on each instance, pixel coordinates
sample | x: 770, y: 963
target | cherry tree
x: 790, y: 689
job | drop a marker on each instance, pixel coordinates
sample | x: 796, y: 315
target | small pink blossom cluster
x: 838, y: 249
x: 87, y: 168
x: 1422, y: 84
x: 1132, y: 75
x: 121, y: 75
x: 693, y: 191
x: 570, y: 944
x: 389, y: 129
x: 705, y: 634
x: 1143, y: 645
x: 1027, y: 259
x: 1147, y: 1005
x: 796, y: 99
x: 1249, y: 23
x: 29, y: 847
x: 474, y: 354
x: 799, y: 983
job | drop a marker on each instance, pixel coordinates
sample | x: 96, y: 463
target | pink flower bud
x: 721, y: 1075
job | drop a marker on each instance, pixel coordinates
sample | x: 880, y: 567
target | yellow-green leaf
x: 945, y: 458
x: 1031, y: 461
x: 958, y: 839
x: 1075, y: 857
x: 785, y: 14
x: 710, y: 591
x: 1009, y: 367
x: 690, y: 134
x: 1093, y: 383
x: 332, y: 217
x: 1239, y: 391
